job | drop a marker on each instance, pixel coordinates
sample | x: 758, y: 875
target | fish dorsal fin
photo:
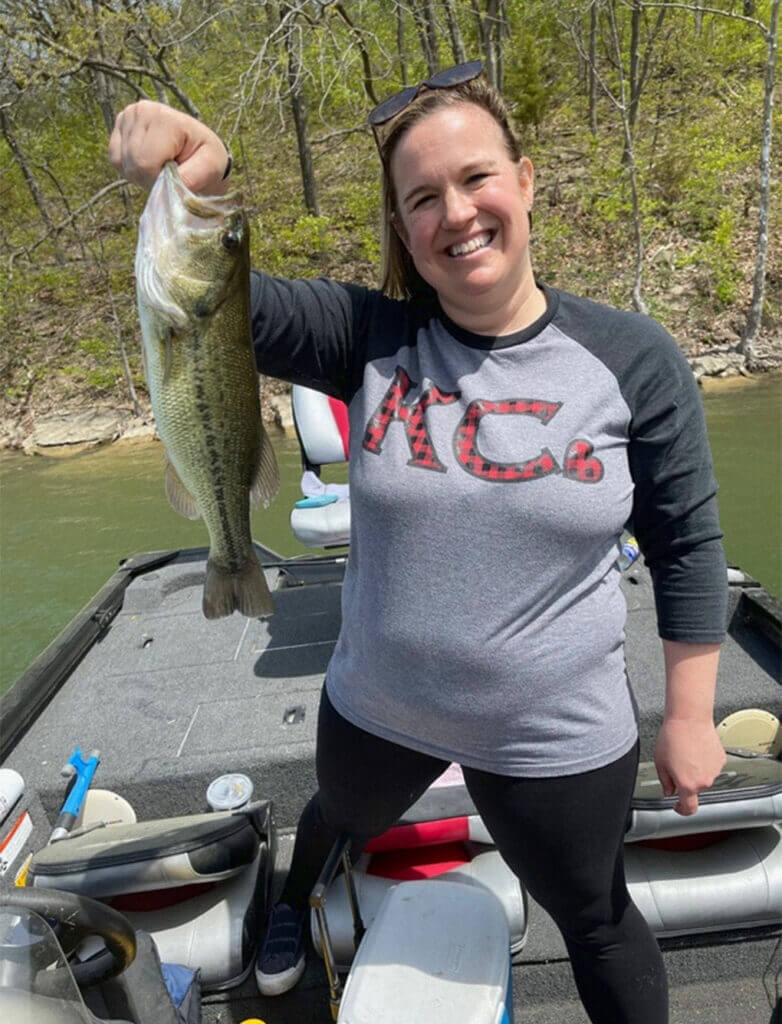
x: 266, y: 481
x: 181, y: 500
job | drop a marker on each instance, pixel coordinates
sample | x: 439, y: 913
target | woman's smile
x: 476, y: 243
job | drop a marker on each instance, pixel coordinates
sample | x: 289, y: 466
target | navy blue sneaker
x: 280, y: 960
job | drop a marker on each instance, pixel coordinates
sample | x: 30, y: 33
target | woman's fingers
x: 148, y: 134
x: 688, y: 758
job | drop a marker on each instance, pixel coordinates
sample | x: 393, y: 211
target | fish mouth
x: 174, y: 213
x: 202, y: 208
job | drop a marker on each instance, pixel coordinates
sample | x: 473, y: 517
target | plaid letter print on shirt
x: 413, y: 416
x: 466, y: 446
x: 580, y: 465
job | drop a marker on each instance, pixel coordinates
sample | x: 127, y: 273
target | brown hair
x: 400, y: 279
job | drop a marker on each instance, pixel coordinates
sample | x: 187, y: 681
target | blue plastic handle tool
x: 318, y: 501
x: 84, y: 769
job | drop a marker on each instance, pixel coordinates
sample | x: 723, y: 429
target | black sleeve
x: 675, y: 515
x: 306, y: 331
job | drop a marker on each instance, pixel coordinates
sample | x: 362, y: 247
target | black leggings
x: 562, y: 836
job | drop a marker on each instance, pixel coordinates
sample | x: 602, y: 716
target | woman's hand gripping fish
x: 193, y: 287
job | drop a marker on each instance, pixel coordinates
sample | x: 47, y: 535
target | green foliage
x: 525, y: 87
x: 359, y: 209
x: 96, y: 346
x: 295, y: 251
x: 715, y: 261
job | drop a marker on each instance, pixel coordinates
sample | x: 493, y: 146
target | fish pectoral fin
x: 181, y: 500
x: 266, y: 481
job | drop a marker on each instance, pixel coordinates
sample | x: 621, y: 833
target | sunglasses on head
x: 446, y: 79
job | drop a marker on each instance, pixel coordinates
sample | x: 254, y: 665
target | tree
x: 292, y: 39
x: 426, y: 23
x: 457, y: 43
x: 621, y: 100
x: 770, y: 33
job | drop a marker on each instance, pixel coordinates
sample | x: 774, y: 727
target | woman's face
x: 462, y: 207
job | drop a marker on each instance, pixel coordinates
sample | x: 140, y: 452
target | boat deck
x: 172, y: 700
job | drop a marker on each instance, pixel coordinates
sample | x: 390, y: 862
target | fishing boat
x: 173, y: 701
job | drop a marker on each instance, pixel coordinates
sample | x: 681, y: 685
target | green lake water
x: 66, y: 523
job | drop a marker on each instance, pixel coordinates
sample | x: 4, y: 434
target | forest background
x: 649, y: 125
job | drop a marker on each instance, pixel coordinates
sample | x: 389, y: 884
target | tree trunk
x: 489, y: 31
x: 358, y: 35
x: 635, y: 35
x: 759, y: 283
x: 591, y: 69
x: 431, y: 31
x: 630, y: 164
x: 457, y: 43
x: 420, y: 11
x: 502, y: 29
x: 400, y: 42
x: 293, y: 51
x: 29, y: 177
x: 104, y: 92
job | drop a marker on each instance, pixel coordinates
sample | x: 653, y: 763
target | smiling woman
x: 462, y: 215
x: 502, y: 434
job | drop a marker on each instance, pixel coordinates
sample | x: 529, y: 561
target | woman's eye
x: 421, y: 200
x: 475, y: 179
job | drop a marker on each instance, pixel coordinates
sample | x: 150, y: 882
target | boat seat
x: 198, y: 884
x: 477, y: 868
x: 746, y: 794
x: 409, y: 967
x: 322, y: 517
x: 160, y: 854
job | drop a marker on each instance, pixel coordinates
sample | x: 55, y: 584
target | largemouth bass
x: 193, y: 290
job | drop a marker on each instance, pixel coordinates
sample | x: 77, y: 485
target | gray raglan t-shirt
x: 490, y: 481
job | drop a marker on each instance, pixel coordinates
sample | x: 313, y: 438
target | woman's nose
x: 458, y: 208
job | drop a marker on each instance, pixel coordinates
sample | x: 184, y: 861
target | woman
x: 502, y: 434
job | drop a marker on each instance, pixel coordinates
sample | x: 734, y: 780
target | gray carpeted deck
x: 172, y: 700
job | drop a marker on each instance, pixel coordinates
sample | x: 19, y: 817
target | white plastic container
x: 11, y: 788
x: 229, y: 792
x: 436, y: 952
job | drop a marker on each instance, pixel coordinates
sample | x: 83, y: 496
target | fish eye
x: 230, y: 241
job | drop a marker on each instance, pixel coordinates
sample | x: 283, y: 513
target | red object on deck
x: 157, y: 899
x: 419, y: 862
x: 424, y: 833
x: 698, y: 841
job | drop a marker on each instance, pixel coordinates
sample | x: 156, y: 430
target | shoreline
x: 79, y: 428
x: 83, y: 428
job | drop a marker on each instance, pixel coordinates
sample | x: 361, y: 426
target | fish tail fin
x: 246, y: 591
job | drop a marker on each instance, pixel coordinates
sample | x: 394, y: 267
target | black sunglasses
x: 447, y: 79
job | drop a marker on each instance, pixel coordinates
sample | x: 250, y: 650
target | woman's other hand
x: 688, y: 758
x: 689, y: 755
x: 146, y: 135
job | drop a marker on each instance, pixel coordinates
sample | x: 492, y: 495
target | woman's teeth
x: 474, y: 243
